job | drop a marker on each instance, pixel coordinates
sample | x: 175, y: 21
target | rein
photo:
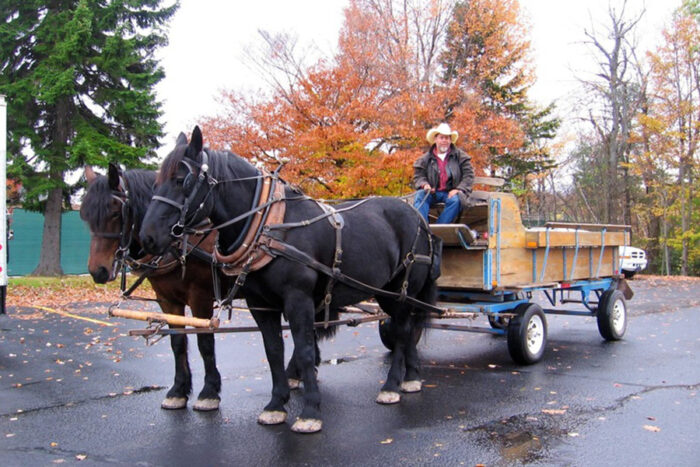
x: 260, y: 245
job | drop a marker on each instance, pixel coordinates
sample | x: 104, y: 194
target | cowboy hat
x: 441, y: 129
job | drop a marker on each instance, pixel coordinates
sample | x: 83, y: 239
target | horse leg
x: 428, y: 294
x: 401, y: 326
x: 412, y: 381
x: 182, y: 385
x: 294, y: 372
x: 271, y: 329
x: 208, y: 398
x: 299, y: 307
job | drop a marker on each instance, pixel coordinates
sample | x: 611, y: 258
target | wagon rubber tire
x: 386, y: 334
x: 527, y: 334
x: 628, y: 274
x: 612, y: 315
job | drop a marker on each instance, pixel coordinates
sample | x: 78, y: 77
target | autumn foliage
x: 352, y: 125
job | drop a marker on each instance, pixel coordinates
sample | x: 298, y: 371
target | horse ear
x: 113, y: 176
x: 181, y: 139
x: 196, y: 142
x: 89, y: 174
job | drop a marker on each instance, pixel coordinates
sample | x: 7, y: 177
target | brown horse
x: 113, y: 208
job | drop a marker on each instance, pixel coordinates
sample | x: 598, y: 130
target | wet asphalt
x: 78, y: 392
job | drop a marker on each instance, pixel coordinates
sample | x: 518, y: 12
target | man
x: 444, y: 174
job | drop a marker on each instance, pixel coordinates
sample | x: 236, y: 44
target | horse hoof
x: 388, y: 397
x: 411, y: 386
x: 307, y: 425
x: 206, y: 405
x: 174, y: 403
x: 272, y: 417
x: 294, y: 383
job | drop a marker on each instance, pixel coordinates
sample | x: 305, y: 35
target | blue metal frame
x: 506, y: 301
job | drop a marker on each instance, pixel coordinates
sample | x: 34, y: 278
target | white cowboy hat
x: 441, y: 129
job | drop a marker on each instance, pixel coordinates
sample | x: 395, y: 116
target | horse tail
x: 323, y: 333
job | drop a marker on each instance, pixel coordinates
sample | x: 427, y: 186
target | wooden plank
x: 598, y: 227
x: 450, y: 234
x: 491, y: 181
x: 567, y: 238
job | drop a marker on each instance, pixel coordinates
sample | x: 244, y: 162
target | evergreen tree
x: 79, y: 76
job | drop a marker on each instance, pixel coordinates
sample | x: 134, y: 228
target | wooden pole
x: 175, y: 320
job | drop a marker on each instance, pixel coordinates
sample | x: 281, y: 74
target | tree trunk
x: 50, y: 257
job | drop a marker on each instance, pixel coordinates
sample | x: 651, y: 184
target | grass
x: 63, y: 282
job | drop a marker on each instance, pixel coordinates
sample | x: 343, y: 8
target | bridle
x: 125, y: 235
x: 192, y: 183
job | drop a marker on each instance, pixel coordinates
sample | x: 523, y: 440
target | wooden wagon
x: 492, y: 264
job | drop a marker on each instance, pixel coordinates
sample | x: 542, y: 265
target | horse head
x: 181, y: 198
x: 103, y: 209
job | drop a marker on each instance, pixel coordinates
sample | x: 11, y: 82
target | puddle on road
x: 520, y: 446
x: 521, y: 438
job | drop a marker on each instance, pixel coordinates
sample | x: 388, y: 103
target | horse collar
x: 250, y: 255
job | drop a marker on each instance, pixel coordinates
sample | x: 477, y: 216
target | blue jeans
x: 448, y: 215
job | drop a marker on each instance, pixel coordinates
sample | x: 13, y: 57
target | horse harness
x: 148, y: 266
x: 261, y: 244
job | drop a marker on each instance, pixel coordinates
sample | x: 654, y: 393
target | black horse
x: 113, y: 208
x: 317, y: 260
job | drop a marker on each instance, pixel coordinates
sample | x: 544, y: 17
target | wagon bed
x: 492, y: 265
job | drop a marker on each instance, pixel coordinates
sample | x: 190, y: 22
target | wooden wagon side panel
x: 462, y: 269
x: 480, y: 269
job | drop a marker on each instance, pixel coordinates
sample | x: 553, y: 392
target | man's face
x: 443, y: 142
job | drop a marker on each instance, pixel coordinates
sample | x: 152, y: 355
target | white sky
x: 207, y: 39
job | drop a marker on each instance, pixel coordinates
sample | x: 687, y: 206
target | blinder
x: 191, y: 185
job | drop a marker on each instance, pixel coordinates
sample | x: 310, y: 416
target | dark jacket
x: 460, y: 174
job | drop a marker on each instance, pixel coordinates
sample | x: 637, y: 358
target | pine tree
x: 79, y: 77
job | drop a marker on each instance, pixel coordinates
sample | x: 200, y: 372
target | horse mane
x: 219, y: 163
x: 91, y: 210
x: 140, y: 184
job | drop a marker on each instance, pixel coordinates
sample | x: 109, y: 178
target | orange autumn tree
x: 352, y: 126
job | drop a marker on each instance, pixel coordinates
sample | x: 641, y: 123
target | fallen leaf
x: 652, y: 428
x: 387, y: 441
x: 554, y: 411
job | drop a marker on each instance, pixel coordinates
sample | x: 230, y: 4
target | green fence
x: 25, y: 247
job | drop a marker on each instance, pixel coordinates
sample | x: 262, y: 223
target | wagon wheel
x: 386, y: 334
x: 527, y: 334
x: 612, y: 315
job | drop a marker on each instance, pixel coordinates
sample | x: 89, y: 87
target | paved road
x: 73, y: 391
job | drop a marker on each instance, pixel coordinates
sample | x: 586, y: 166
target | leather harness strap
x: 278, y: 248
x: 249, y: 256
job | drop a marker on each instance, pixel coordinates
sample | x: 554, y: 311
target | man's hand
x: 427, y: 187
x: 452, y: 193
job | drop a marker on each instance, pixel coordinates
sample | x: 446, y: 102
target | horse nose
x: 101, y: 276
x: 148, y: 242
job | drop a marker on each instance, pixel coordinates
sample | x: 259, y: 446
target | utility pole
x: 3, y: 203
